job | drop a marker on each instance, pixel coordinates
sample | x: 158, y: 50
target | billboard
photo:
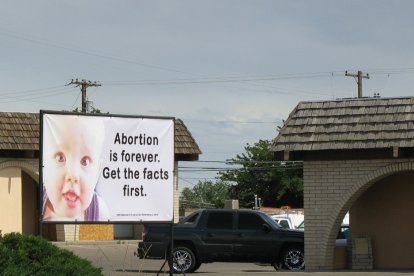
x: 106, y: 168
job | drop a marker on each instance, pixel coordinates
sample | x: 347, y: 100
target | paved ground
x: 118, y: 259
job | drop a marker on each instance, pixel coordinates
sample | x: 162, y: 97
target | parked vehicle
x: 226, y: 235
x: 343, y: 235
x: 288, y: 221
x: 284, y: 223
x: 341, y: 238
x: 301, y: 226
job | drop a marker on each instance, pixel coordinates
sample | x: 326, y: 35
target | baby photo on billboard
x: 72, y: 165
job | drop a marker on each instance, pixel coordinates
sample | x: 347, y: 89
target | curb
x: 93, y: 242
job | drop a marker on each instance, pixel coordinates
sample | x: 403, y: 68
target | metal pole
x: 172, y: 248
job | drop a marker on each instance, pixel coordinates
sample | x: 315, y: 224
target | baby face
x: 72, y: 152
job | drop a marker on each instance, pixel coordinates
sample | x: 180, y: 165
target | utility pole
x: 83, y: 85
x: 360, y: 76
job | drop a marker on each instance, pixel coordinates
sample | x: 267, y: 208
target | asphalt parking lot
x: 117, y: 258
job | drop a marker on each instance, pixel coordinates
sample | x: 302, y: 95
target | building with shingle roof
x: 357, y: 156
x: 19, y: 132
x: 373, y: 125
x: 19, y: 179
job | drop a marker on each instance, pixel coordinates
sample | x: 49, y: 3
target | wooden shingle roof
x: 20, y: 131
x: 348, y: 124
x: 185, y: 146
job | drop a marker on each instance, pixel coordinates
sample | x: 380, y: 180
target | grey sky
x: 232, y: 70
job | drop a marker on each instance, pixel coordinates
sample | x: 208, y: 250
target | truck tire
x: 293, y: 258
x: 197, y: 266
x: 184, y: 260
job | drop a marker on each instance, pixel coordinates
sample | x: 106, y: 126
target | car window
x: 343, y: 232
x: 250, y: 221
x: 220, y: 220
x: 284, y: 223
x: 192, y: 218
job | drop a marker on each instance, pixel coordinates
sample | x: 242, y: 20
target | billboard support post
x: 170, y: 257
x: 172, y: 248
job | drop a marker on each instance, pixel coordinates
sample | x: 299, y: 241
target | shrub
x: 31, y: 255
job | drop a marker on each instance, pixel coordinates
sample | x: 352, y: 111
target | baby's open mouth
x: 71, y: 199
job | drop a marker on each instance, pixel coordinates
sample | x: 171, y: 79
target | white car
x: 289, y: 221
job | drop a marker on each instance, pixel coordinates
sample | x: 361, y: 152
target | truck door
x: 252, y: 241
x: 218, y: 235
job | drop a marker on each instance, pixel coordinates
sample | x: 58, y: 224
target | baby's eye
x: 60, y: 157
x: 85, y: 161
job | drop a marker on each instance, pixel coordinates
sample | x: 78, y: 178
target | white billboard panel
x: 107, y: 168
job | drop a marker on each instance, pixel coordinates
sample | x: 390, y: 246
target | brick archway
x: 347, y: 200
x: 29, y: 168
x: 20, y: 196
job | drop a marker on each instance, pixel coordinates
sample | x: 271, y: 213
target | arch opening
x: 380, y: 208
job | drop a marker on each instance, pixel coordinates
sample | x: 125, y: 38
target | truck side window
x: 220, y: 220
x: 250, y: 221
x: 191, y: 219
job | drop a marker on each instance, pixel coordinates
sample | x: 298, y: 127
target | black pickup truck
x: 224, y: 235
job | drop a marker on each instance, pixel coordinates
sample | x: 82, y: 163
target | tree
x: 276, y: 183
x: 93, y: 110
x: 207, y: 192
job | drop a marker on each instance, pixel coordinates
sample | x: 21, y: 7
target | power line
x: 199, y: 169
x: 250, y: 168
x: 93, y: 52
x: 33, y: 91
x: 247, y: 162
x: 221, y: 79
x: 256, y: 78
x: 30, y: 96
x: 201, y: 178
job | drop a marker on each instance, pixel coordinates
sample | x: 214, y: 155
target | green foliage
x: 31, y: 255
x: 93, y: 110
x: 214, y: 193
x: 275, y: 183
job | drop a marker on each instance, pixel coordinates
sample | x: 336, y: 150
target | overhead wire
x: 89, y: 52
x: 77, y: 97
x: 55, y: 44
x: 32, y: 91
x: 31, y: 95
x: 48, y: 42
x: 252, y: 79
x: 248, y: 165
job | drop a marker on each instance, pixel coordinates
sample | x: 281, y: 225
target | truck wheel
x: 197, y: 266
x: 293, y: 258
x: 184, y: 260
